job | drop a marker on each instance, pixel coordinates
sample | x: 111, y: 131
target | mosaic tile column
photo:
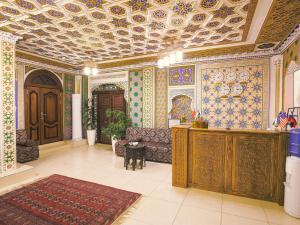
x: 148, y: 97
x: 69, y: 87
x: 136, y: 98
x: 161, y: 98
x: 7, y: 102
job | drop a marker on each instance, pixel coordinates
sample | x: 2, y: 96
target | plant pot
x: 91, y: 136
x: 113, y: 143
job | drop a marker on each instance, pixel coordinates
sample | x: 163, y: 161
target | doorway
x: 43, y: 107
x: 107, y: 96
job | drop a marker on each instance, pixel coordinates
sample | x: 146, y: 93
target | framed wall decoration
x: 182, y: 75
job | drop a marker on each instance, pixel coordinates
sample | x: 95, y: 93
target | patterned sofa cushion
x: 27, y: 150
x: 158, y: 152
x: 157, y: 143
x: 149, y: 134
x: 21, y: 137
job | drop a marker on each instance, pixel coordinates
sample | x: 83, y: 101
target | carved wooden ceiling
x: 78, y: 30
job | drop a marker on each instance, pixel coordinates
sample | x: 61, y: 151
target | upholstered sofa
x: 158, y: 143
x: 27, y: 150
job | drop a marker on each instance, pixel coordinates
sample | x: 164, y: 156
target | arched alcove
x: 289, y: 85
x: 41, y: 77
x: 181, y: 107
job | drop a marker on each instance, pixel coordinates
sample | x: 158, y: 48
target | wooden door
x: 104, y: 103
x: 43, y: 114
x: 50, y: 114
x: 108, y: 100
x: 118, y: 102
x: 32, y: 108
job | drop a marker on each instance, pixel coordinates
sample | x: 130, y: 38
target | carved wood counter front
x: 248, y: 163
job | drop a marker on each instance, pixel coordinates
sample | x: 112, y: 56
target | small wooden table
x: 134, y: 152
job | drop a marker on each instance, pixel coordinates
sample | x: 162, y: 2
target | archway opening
x: 43, y: 107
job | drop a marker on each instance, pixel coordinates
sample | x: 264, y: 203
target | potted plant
x: 89, y: 121
x: 116, y: 129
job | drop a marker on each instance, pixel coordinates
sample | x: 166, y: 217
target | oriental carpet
x: 63, y: 200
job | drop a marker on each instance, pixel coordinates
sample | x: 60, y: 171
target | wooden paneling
x: 242, y: 162
x: 50, y: 115
x: 179, y: 156
x: 207, y: 153
x: 252, y: 165
x: 32, y: 113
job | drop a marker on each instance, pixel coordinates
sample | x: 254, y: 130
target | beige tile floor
x: 161, y: 203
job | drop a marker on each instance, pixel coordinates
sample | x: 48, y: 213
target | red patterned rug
x: 64, y: 200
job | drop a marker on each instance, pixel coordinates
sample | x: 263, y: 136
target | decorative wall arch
x: 176, y: 92
x: 41, y: 69
x: 122, y: 84
x: 181, y: 106
x: 288, y: 94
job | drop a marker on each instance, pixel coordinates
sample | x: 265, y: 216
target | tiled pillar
x: 7, y: 102
x: 148, y: 97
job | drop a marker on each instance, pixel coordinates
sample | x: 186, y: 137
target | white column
x: 275, y: 88
x: 76, y: 117
x: 7, y: 103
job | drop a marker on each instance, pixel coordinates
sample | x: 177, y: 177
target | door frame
x: 97, y: 93
x: 28, y: 83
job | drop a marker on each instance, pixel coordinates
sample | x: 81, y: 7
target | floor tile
x: 203, y: 199
x: 276, y: 215
x: 154, y: 211
x: 197, y: 216
x: 228, y: 219
x: 167, y: 192
x: 245, y: 207
x: 130, y: 221
x: 161, y: 204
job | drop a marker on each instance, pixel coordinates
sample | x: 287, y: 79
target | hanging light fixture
x: 90, y: 68
x: 170, y: 59
x: 172, y: 55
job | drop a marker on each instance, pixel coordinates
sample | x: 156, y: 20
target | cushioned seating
x: 27, y: 150
x: 157, y: 143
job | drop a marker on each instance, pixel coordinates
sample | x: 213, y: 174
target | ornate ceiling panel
x: 78, y: 30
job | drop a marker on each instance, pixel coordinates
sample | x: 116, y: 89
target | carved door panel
x: 104, y: 103
x: 118, y: 102
x: 32, y: 100
x: 107, y: 100
x: 248, y: 177
x: 208, y: 154
x: 50, y: 115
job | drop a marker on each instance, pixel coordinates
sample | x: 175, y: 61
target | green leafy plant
x: 88, y: 110
x: 118, y: 123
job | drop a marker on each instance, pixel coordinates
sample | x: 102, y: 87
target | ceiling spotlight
x: 172, y: 58
x: 160, y: 63
x: 179, y: 56
x: 90, y: 68
x: 87, y: 70
x: 94, y: 71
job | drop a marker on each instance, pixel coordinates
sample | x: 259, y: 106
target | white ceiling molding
x: 290, y: 39
x: 112, y: 77
x: 9, y: 37
x: 46, y: 66
x: 258, y: 20
x: 259, y: 54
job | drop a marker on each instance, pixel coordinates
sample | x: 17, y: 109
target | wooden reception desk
x: 248, y: 163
